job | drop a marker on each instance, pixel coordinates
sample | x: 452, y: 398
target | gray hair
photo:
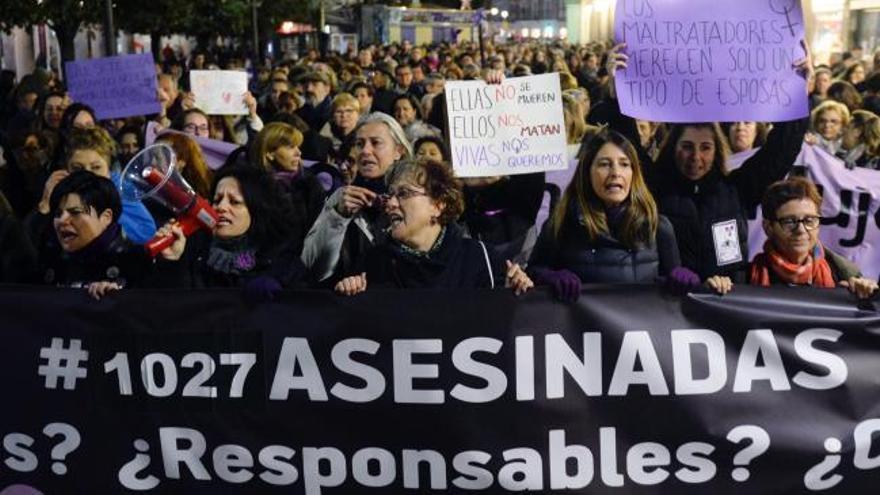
x: 393, y: 127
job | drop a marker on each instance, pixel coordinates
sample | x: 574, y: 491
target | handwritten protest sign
x: 115, y: 87
x: 219, y: 92
x: 850, y: 208
x: 515, y: 127
x: 709, y: 60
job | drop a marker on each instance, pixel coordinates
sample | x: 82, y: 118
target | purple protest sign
x: 710, y: 60
x: 115, y: 87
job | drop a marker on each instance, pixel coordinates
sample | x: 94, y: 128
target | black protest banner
x: 760, y: 392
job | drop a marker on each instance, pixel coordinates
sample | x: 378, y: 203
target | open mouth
x: 66, y: 236
x: 223, y: 222
x: 395, y: 220
x: 614, y: 188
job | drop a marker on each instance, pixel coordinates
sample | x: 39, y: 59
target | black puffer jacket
x: 710, y: 214
x: 606, y: 259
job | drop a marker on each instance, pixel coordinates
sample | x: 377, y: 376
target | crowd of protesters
x: 342, y: 179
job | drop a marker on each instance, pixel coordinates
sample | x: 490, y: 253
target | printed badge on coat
x: 726, y: 236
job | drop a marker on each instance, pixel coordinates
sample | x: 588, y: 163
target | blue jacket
x: 137, y: 223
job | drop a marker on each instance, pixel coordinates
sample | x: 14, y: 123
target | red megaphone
x: 152, y: 173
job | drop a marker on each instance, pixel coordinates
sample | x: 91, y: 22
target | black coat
x: 18, y: 259
x: 457, y: 263
x: 111, y: 257
x: 605, y: 259
x: 502, y: 213
x: 701, y: 211
x: 306, y: 195
x: 194, y: 270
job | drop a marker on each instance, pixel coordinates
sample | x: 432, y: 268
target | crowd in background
x: 342, y: 180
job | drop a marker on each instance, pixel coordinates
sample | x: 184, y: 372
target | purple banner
x: 850, y: 208
x: 115, y: 87
x: 709, y: 60
x: 215, y: 152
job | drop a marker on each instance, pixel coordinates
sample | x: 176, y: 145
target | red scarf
x: 815, y: 271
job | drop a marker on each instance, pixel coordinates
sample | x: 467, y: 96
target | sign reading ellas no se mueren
x: 515, y: 127
x: 687, y: 395
x: 710, y: 60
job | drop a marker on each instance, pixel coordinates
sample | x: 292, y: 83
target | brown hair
x: 93, y: 138
x: 196, y: 172
x: 639, y: 226
x: 722, y: 150
x: 791, y: 189
x: 439, y: 182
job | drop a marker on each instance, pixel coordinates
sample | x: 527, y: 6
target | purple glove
x: 261, y: 289
x: 566, y: 286
x: 682, y: 279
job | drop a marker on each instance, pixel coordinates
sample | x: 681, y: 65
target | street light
x: 493, y: 11
x: 504, y: 14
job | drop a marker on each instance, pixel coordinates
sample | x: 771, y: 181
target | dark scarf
x: 108, y: 241
x: 231, y: 256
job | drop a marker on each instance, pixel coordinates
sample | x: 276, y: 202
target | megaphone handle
x: 158, y: 244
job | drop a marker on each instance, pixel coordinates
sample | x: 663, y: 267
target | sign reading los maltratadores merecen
x: 711, y: 60
x: 516, y: 127
x: 763, y: 391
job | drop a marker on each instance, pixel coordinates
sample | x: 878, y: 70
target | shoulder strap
x: 488, y: 265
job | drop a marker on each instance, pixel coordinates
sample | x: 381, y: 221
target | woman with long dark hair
x: 606, y: 228
x: 250, y: 246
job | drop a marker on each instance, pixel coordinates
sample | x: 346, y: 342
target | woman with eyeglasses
x: 345, y: 111
x: 425, y: 248
x: 793, y: 254
x: 194, y: 122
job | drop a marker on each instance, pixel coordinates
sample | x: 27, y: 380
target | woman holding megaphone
x: 249, y: 246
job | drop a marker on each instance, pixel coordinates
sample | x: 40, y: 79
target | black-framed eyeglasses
x: 196, y: 128
x: 791, y: 224
x: 402, y: 194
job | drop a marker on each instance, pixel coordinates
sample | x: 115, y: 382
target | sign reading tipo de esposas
x: 710, y: 60
x: 515, y: 127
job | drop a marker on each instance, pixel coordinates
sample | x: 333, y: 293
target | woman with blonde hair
x: 828, y: 120
x: 861, y: 139
x: 344, y: 113
x: 276, y: 151
x: 606, y: 228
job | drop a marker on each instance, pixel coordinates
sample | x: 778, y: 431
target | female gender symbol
x: 785, y: 7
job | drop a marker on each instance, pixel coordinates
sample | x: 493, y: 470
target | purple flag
x: 710, y: 60
x: 115, y: 87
